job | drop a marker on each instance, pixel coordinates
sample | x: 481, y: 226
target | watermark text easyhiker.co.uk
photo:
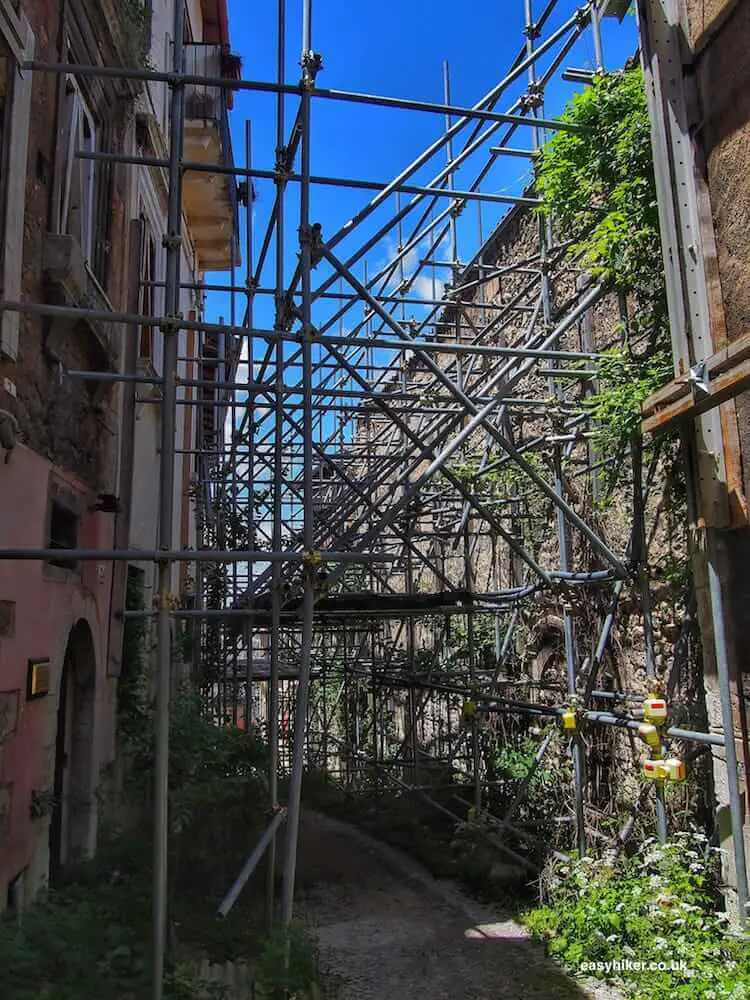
x: 620, y: 965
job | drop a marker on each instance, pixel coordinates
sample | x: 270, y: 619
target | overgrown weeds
x: 650, y: 919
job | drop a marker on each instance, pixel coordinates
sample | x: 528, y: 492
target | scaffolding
x: 345, y: 499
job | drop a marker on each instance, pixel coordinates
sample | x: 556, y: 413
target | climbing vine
x: 597, y: 184
x: 135, y: 24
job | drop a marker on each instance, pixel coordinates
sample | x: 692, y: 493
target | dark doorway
x: 72, y: 815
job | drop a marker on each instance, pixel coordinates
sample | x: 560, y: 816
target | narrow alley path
x: 388, y: 930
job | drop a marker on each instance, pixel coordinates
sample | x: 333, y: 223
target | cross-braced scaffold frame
x: 347, y: 421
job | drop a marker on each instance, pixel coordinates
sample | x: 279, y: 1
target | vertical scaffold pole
x: 641, y: 553
x: 173, y: 246
x: 563, y: 528
x: 250, y: 419
x: 272, y: 703
x: 309, y: 70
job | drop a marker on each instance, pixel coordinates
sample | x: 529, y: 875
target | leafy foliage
x: 135, y: 21
x: 657, y: 906
x: 624, y: 383
x: 483, y: 638
x: 90, y: 939
x: 86, y: 942
x: 510, y: 482
x: 598, y: 185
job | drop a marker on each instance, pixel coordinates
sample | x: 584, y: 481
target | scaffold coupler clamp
x: 312, y: 64
x: 469, y: 710
x: 312, y: 560
x: 663, y: 769
x: 316, y: 243
x: 698, y: 380
x: 571, y: 716
x: 172, y: 241
x: 650, y: 735
x: 171, y: 323
x: 655, y: 707
x: 166, y: 601
x: 534, y: 97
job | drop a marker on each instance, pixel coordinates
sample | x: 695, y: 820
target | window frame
x: 5, y: 136
x: 21, y: 44
x: 76, y: 116
x: 147, y: 292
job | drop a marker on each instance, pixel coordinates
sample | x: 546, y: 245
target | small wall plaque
x: 38, y: 679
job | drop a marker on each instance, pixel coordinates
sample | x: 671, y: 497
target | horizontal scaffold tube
x: 601, y: 718
x: 186, y: 555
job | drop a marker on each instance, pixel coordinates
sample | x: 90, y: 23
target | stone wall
x: 537, y: 669
x: 70, y: 422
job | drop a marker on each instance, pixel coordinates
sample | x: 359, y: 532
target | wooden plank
x: 675, y: 400
x: 724, y: 386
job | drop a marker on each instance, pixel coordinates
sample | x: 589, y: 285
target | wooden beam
x: 727, y: 373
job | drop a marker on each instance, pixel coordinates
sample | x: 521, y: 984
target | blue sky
x: 395, y: 49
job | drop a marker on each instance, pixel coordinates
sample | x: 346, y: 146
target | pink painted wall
x: 48, y: 603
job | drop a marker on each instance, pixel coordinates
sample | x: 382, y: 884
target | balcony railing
x: 203, y: 101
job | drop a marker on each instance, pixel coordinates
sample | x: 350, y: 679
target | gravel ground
x: 387, y: 930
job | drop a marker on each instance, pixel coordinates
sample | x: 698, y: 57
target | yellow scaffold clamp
x: 654, y: 769
x: 569, y: 719
x: 655, y: 707
x: 650, y: 735
x: 469, y: 710
x: 669, y: 769
x: 571, y: 715
x: 312, y: 559
x: 166, y: 601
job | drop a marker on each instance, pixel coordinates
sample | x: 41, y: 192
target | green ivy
x: 135, y: 22
x: 597, y: 184
x: 624, y: 383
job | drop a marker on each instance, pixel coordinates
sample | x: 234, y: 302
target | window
x: 16, y: 44
x: 147, y: 297
x: 6, y: 98
x: 63, y: 532
x: 76, y: 201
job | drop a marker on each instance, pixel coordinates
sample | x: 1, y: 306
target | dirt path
x: 390, y: 931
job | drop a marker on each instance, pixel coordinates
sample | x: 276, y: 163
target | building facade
x: 80, y: 450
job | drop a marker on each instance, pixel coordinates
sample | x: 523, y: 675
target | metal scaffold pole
x: 171, y: 329
x: 310, y: 64
x: 278, y: 430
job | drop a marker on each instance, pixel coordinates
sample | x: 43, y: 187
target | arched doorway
x: 70, y: 829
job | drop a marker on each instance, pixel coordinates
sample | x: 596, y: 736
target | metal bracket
x: 312, y: 236
x: 171, y: 241
x: 698, y: 379
x: 171, y: 324
x: 312, y: 64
